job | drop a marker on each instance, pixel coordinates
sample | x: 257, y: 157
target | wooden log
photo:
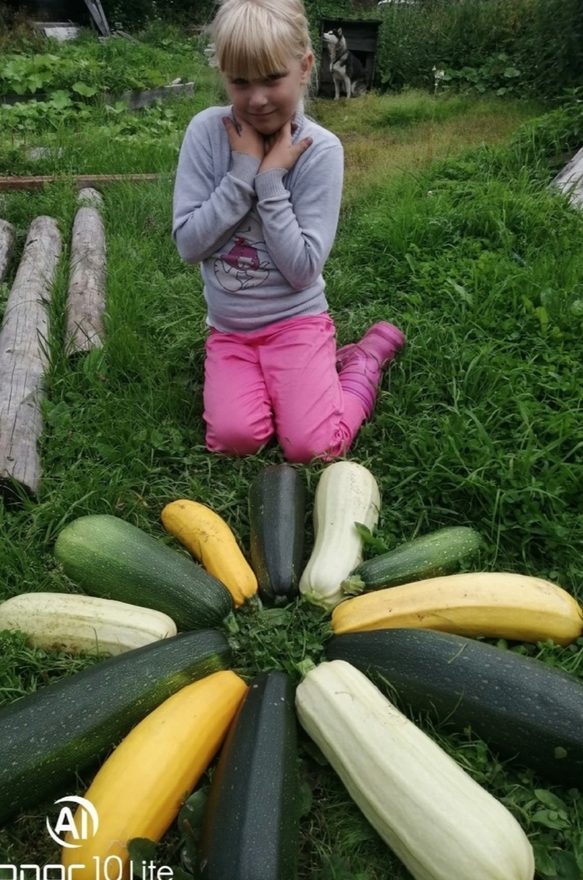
x: 24, y: 356
x: 7, y: 239
x: 570, y: 180
x: 86, y: 294
x: 8, y: 184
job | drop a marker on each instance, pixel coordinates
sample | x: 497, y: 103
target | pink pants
x: 279, y: 380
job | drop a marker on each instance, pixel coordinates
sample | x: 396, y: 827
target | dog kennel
x: 361, y: 37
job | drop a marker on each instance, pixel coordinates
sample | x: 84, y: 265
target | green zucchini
x: 49, y: 735
x: 251, y: 824
x: 520, y: 706
x: 277, y: 502
x: 437, y: 553
x: 114, y: 559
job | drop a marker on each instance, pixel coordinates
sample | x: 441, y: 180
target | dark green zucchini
x: 49, y: 735
x: 109, y: 557
x: 437, y: 553
x: 251, y: 825
x: 520, y: 706
x: 277, y: 501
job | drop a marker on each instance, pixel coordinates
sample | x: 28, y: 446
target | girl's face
x: 267, y: 104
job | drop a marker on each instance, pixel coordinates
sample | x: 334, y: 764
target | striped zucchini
x: 111, y: 558
x: 427, y: 556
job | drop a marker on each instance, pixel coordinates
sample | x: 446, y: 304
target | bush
x: 134, y: 14
x: 520, y: 46
x: 556, y: 135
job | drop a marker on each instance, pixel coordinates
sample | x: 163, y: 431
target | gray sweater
x: 262, y: 239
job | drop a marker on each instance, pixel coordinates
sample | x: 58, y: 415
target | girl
x: 256, y: 202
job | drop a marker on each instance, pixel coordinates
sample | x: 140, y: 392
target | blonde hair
x: 256, y: 38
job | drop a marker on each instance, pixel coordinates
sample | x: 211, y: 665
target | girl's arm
x: 299, y: 227
x: 205, y: 214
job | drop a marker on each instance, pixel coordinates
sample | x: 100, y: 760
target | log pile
x: 24, y: 333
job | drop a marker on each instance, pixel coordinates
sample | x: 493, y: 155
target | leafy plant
x: 497, y: 75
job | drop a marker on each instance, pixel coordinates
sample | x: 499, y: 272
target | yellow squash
x: 492, y: 604
x: 140, y: 787
x: 211, y: 541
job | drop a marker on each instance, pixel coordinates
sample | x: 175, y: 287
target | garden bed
x: 134, y: 99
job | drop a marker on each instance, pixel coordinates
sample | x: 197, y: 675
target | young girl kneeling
x: 256, y: 202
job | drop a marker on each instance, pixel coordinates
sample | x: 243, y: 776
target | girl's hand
x: 280, y: 152
x: 243, y: 138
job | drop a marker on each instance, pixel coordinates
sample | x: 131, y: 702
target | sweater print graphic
x: 244, y: 263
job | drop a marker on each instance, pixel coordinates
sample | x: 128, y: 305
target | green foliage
x: 496, y: 76
x: 88, y: 66
x: 558, y: 134
x: 134, y: 14
x: 528, y: 46
x: 66, y: 80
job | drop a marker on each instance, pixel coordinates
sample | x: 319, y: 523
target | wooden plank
x: 7, y: 239
x: 24, y: 356
x: 98, y: 15
x: 570, y: 180
x: 86, y: 293
x: 8, y: 184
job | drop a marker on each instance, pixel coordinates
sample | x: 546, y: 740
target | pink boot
x: 361, y: 364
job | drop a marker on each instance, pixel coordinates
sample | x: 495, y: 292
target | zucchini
x: 433, y: 815
x: 519, y: 706
x: 48, y: 736
x: 70, y: 622
x: 501, y: 605
x: 251, y: 826
x: 211, y: 540
x: 347, y: 494
x: 111, y: 558
x: 139, y: 789
x: 277, y: 503
x: 427, y: 556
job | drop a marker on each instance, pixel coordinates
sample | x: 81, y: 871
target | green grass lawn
x: 449, y: 230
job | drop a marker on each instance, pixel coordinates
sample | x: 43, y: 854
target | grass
x: 478, y: 423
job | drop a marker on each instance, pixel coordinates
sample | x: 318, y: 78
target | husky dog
x: 345, y: 67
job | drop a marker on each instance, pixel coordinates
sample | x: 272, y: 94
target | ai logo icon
x: 81, y: 826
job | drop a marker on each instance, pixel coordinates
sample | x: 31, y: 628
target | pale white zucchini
x: 72, y: 622
x: 433, y: 815
x: 347, y: 493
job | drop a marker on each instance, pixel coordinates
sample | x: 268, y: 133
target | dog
x: 345, y: 67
